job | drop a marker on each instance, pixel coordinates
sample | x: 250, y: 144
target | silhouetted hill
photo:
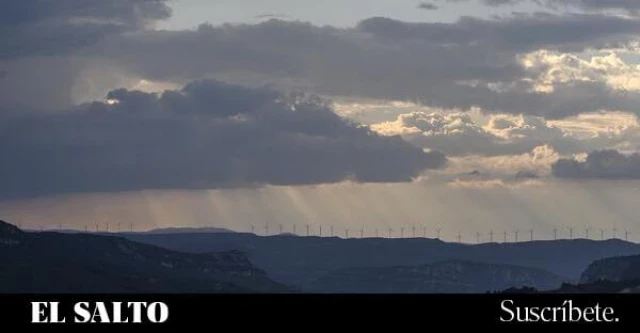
x: 456, y: 276
x: 186, y: 230
x: 613, y: 269
x: 51, y: 262
x: 300, y: 260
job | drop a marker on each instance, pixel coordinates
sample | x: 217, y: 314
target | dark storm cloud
x: 44, y: 27
x: 207, y: 135
x: 471, y: 62
x: 604, y: 164
x: 442, y: 64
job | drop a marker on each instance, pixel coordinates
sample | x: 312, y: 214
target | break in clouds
x: 208, y: 135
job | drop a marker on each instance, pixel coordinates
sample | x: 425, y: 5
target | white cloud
x: 550, y: 68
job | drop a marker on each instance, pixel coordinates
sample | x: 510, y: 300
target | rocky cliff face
x: 10, y: 235
x: 613, y: 269
x: 68, y: 263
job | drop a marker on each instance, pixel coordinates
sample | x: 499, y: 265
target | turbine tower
x: 131, y: 226
x: 97, y: 226
x: 438, y: 233
x: 615, y: 232
x: 346, y: 232
x: 107, y: 226
x: 118, y: 226
x: 413, y: 231
x: 308, y: 230
x: 266, y: 229
x: 570, y: 233
x: 555, y: 233
x: 424, y: 231
x: 390, y: 231
x: 320, y: 230
x: 477, y: 237
x: 491, y: 236
x: 332, y: 231
x: 459, y: 237
x: 361, y: 232
x: 294, y: 229
x: 531, y: 234
x: 586, y: 232
x: 516, y: 234
x: 504, y: 233
x: 376, y: 232
x: 601, y: 234
x: 401, y: 232
x: 626, y: 235
x: 253, y: 229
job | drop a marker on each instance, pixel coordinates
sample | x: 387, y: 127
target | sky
x: 464, y: 116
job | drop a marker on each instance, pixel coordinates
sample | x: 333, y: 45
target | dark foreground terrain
x: 81, y: 263
x: 314, y: 263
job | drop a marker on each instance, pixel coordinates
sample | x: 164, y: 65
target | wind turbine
x: 320, y: 230
x: 586, y: 232
x: 438, y: 232
x: 376, y: 232
x: 346, y: 232
x: 253, y: 229
x: 570, y: 233
x: 97, y: 226
x: 107, y: 226
x: 413, y: 231
x: 626, y: 235
x: 459, y: 237
x: 491, y: 236
x: 531, y: 234
x: 401, y: 232
x: 294, y: 229
x: 478, y: 237
x: 390, y: 231
x: 424, y: 231
x: 131, y: 226
x: 118, y: 227
x: 308, y: 230
x: 361, y: 232
x: 266, y: 229
x: 615, y: 232
x: 601, y: 234
x: 332, y: 231
x: 555, y: 233
x: 504, y: 233
x: 516, y: 234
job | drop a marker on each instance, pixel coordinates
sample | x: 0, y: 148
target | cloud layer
x: 603, y: 164
x: 43, y: 27
x: 207, y: 135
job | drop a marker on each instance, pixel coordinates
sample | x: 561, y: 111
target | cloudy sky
x: 459, y: 115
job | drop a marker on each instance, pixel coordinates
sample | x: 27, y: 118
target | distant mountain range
x: 302, y: 261
x: 187, y: 230
x: 185, y: 260
x: 455, y: 276
x: 50, y: 262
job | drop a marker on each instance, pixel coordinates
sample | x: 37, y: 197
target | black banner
x: 142, y: 312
